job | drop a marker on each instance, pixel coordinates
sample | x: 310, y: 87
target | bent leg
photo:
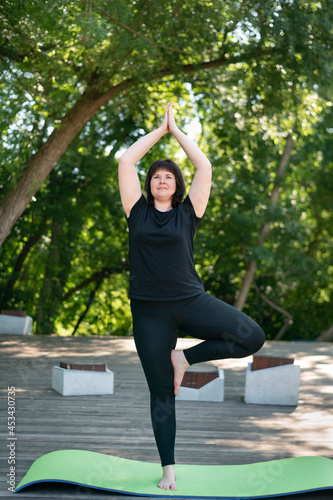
x: 228, y: 333
x: 155, y: 335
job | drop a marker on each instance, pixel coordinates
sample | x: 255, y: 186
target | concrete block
x: 278, y: 385
x: 212, y: 391
x: 82, y: 382
x: 15, y: 325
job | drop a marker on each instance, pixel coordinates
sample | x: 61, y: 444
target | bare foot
x: 179, y: 366
x: 168, y: 481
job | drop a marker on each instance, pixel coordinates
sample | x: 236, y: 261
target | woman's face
x: 163, y: 185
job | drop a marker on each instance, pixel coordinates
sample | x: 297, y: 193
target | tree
x: 264, y: 230
x: 91, y: 56
x: 80, y: 80
x: 246, y: 141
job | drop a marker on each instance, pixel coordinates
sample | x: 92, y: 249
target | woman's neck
x: 163, y: 206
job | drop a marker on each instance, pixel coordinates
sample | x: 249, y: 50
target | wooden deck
x: 231, y: 432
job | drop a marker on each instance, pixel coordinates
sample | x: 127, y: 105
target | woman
x: 165, y: 290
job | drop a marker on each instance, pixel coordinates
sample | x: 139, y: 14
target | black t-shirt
x: 161, y: 252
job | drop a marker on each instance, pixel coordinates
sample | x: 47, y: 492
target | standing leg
x: 155, y: 335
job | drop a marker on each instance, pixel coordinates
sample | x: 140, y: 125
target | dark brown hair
x: 172, y: 167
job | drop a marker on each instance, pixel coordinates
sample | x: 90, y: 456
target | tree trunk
x: 19, y: 263
x: 248, y: 279
x: 57, y: 270
x: 47, y: 304
x: 326, y: 336
x: 38, y: 168
x: 89, y: 303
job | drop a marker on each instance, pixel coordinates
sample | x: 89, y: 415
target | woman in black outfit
x: 165, y: 290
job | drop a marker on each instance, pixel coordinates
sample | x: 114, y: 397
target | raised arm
x: 201, y: 183
x: 129, y: 183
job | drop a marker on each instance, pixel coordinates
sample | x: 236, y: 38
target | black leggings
x: 228, y: 333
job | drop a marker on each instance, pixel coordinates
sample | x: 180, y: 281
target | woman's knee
x: 251, y: 335
x: 159, y: 375
x: 260, y: 338
x: 256, y: 339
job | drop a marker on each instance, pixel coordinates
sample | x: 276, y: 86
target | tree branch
x: 97, y: 276
x: 9, y: 54
x: 289, y: 318
x: 136, y: 33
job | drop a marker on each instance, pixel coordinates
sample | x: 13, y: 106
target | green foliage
x: 244, y: 72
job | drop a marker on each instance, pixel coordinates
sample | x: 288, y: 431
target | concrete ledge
x: 15, y: 325
x: 82, y: 382
x: 212, y: 391
x: 278, y: 385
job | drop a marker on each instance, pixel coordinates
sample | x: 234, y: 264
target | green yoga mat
x: 259, y: 480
